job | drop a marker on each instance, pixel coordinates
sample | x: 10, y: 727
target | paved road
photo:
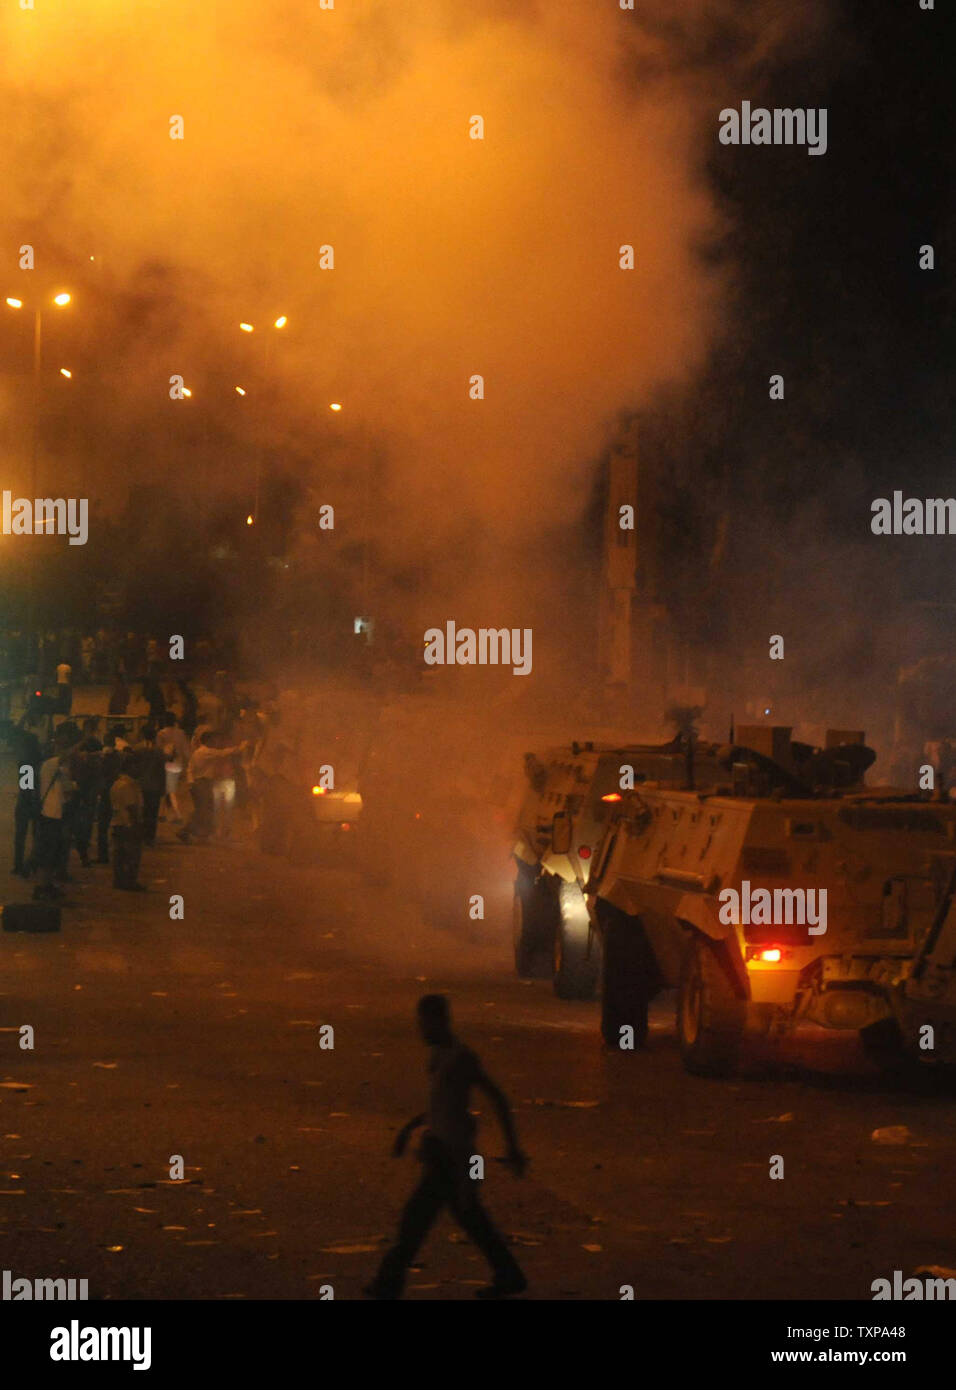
x: 200, y: 1038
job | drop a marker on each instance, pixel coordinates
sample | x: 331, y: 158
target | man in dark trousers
x: 151, y: 775
x: 86, y: 771
x: 447, y: 1154
x: 27, y: 752
x: 110, y: 759
x: 126, y: 799
x: 55, y: 790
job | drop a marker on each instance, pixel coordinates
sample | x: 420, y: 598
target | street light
x: 365, y: 446
x: 280, y: 322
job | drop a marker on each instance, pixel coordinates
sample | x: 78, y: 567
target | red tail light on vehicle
x: 767, y: 955
x: 584, y: 851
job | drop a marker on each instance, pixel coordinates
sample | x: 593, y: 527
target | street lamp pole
x: 259, y: 407
x: 363, y: 436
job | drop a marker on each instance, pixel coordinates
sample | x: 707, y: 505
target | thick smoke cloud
x: 453, y: 256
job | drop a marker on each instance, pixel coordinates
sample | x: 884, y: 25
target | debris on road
x: 892, y: 1134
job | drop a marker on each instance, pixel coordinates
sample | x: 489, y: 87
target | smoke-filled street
x: 200, y: 1038
x: 477, y: 685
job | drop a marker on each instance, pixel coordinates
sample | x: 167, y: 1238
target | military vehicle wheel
x: 577, y: 957
x: 533, y: 929
x: 883, y: 1045
x: 626, y: 989
x: 710, y: 1017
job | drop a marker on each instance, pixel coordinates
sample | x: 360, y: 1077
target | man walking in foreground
x: 446, y: 1153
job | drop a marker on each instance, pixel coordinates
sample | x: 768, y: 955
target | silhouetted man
x: 151, y: 775
x: 119, y: 696
x: 27, y: 752
x: 110, y: 760
x: 87, y: 773
x: 126, y: 799
x: 446, y: 1153
x: 55, y: 790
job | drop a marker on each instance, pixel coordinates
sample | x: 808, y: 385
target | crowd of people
x: 98, y: 657
x: 103, y: 797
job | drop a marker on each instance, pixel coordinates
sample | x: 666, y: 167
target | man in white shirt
x: 175, y: 744
x: 55, y: 786
x: 64, y: 687
x: 201, y: 774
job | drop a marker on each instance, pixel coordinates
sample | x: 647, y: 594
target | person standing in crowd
x: 87, y: 648
x: 175, y: 745
x: 101, y: 659
x: 132, y: 655
x: 48, y: 657
x: 201, y: 775
x: 172, y: 699
x: 27, y: 752
x: 151, y: 772
x: 224, y: 788
x: 211, y: 710
x: 229, y: 699
x: 154, y: 697
x: 248, y: 729
x: 68, y: 738
x: 55, y: 787
x: 64, y: 687
x: 119, y: 695
x: 126, y: 800
x: 189, y: 715
x: 109, y: 771
x: 87, y: 772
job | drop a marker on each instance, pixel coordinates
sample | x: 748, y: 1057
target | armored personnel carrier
x: 765, y: 883
x: 570, y: 794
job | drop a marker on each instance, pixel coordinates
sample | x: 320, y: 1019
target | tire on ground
x: 533, y: 927
x: 711, y: 1016
x: 883, y: 1045
x: 577, y: 954
x: 627, y: 982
